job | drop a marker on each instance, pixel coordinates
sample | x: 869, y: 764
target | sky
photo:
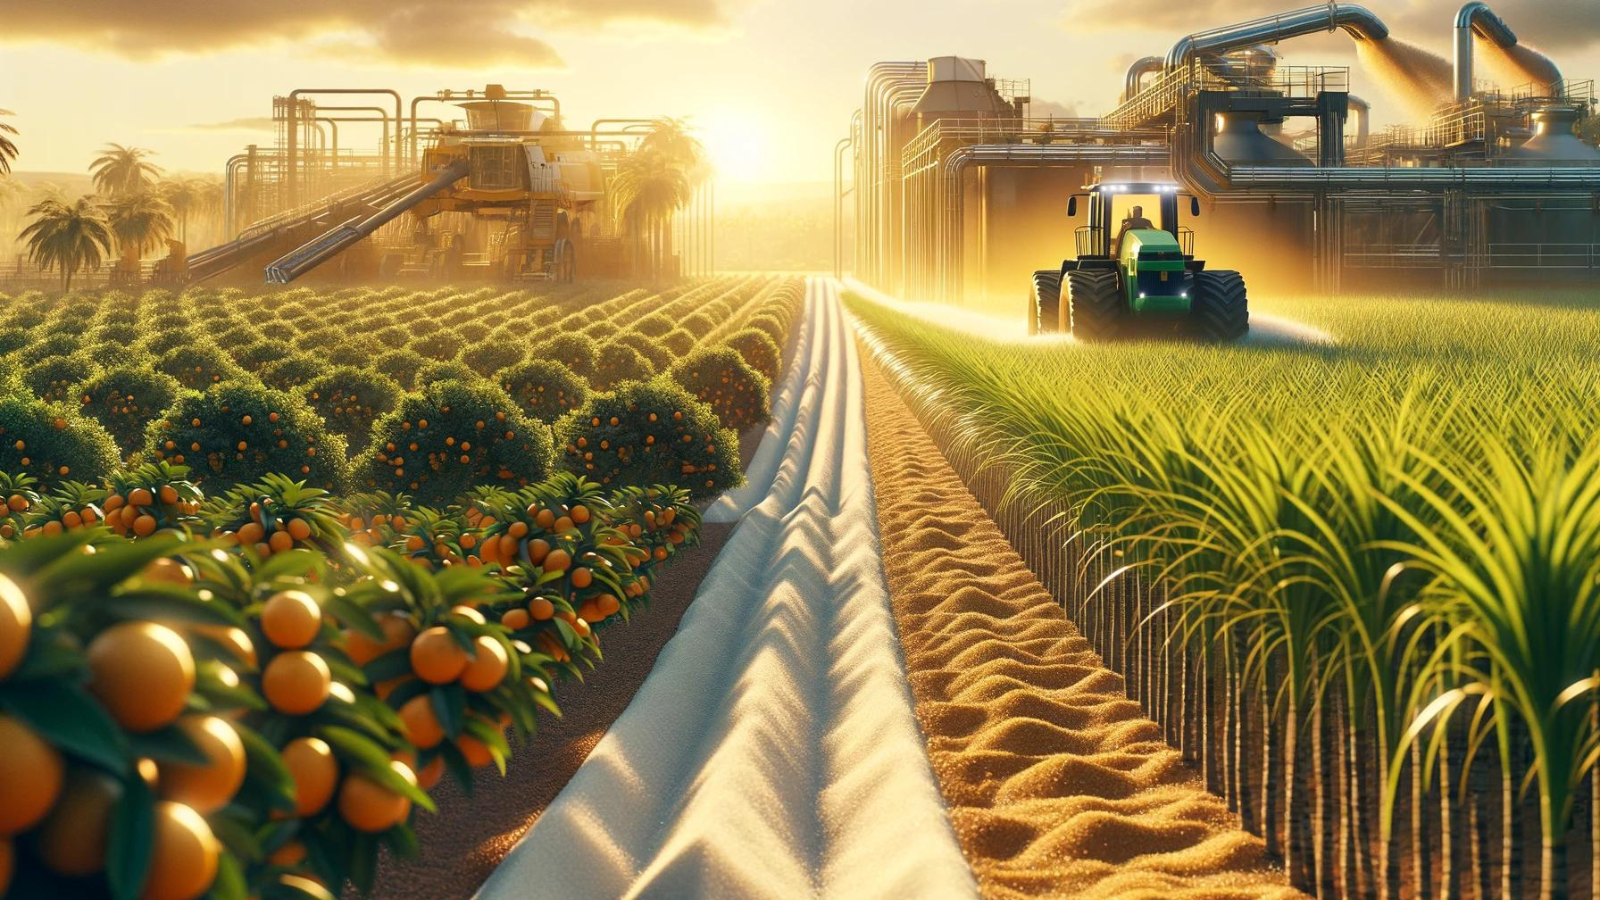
x: 769, y: 84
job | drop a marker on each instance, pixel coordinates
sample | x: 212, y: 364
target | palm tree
x: 120, y: 170
x: 67, y: 236
x: 141, y: 222
x: 184, y: 196
x: 8, y: 147
x: 648, y: 189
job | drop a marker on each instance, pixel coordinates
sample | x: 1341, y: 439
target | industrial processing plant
x: 953, y: 181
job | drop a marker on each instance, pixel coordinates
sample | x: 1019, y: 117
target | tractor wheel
x: 1095, y: 304
x: 1044, y: 306
x: 1220, y: 309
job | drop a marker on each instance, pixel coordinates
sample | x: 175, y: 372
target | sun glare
x: 739, y: 144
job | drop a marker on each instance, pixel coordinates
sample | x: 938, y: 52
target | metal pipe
x: 1363, y: 111
x: 874, y: 186
x: 386, y: 154
x: 293, y: 148
x: 1360, y: 22
x: 1136, y: 72
x: 838, y: 205
x: 1477, y: 18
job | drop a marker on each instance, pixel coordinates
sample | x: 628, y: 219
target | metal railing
x: 1543, y: 256
x: 1161, y: 98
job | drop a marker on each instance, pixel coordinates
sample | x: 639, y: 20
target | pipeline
x: 314, y: 253
x: 1477, y: 18
x: 1360, y: 22
x: 1363, y: 113
x: 1136, y: 73
x: 889, y: 85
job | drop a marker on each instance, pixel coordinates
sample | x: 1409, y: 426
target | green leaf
x: 68, y: 717
x: 132, y: 840
x: 230, y: 883
x: 265, y: 767
x: 167, y: 745
x: 390, y: 665
x: 450, y: 705
x: 352, y: 615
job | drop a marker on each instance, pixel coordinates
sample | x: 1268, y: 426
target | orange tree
x: 349, y: 400
x: 720, y: 377
x: 616, y: 363
x: 239, y: 431
x: 52, y: 443
x: 52, y: 380
x: 276, y: 515
x: 575, y: 351
x: 650, y: 433
x: 199, y: 366
x: 124, y: 399
x: 758, y: 349
x: 450, y: 437
x: 544, y: 389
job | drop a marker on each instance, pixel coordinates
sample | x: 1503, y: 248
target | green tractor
x: 1140, y: 280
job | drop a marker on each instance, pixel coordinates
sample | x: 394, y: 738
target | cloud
x: 466, y: 33
x: 1047, y: 109
x: 1550, y: 24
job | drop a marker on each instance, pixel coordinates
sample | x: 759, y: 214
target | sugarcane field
x: 853, y: 451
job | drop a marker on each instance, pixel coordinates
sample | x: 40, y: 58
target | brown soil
x: 1058, y: 784
x: 471, y: 833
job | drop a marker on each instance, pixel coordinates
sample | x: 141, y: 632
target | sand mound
x: 1058, y: 785
x: 772, y: 752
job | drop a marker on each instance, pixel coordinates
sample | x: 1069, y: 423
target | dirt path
x: 1058, y: 785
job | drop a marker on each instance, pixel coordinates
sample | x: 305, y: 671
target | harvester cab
x: 1136, y: 281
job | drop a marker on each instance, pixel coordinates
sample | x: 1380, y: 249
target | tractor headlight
x: 1183, y: 295
x: 1141, y: 295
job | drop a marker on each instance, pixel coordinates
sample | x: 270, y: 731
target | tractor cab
x: 1135, y: 272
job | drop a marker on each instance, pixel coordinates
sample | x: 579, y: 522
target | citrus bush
x: 291, y: 372
x: 160, y: 341
x: 41, y: 348
x: 149, y: 499
x: 616, y: 363
x: 199, y: 366
x: 252, y: 356
x: 276, y: 515
x: 659, y: 356
x: 351, y: 400
x: 402, y: 365
x: 124, y: 400
x: 574, y: 351
x: 722, y: 379
x: 442, y: 344
x: 488, y: 356
x: 444, y: 370
x: 759, y: 350
x: 52, y: 443
x: 451, y: 436
x: 544, y: 389
x: 647, y: 433
x: 240, y: 431
x: 52, y: 380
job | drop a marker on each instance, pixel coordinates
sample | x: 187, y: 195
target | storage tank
x: 1554, y: 140
x: 958, y: 88
x: 1240, y: 141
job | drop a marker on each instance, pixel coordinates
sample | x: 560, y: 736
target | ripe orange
x: 73, y: 838
x: 580, y: 514
x: 143, y: 673
x: 436, y: 657
x: 184, y: 860
x: 545, y: 518
x: 316, y: 773
x: 470, y: 612
x: 206, y: 788
x: 140, y: 497
x: 488, y: 666
x: 31, y: 772
x: 541, y: 609
x: 538, y: 550
x: 431, y: 773
x: 518, y: 530
x: 563, y: 524
x: 251, y: 533
x: 296, y: 682
x: 516, y: 619
x: 235, y: 639
x: 16, y: 626
x: 144, y: 526
x: 368, y: 806
x: 476, y: 751
x: 291, y: 619
x: 557, y: 561
x: 608, y: 603
x: 422, y: 724
x: 582, y: 578
x: 168, y: 494
x: 290, y: 854
x: 280, y: 542
x: 168, y: 571
x: 589, y: 611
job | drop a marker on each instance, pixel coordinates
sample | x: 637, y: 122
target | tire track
x: 1058, y: 785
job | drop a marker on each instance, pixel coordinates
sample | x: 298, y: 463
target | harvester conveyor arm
x: 326, y: 246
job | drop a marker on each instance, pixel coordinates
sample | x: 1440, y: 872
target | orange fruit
x: 144, y: 526
x: 290, y: 854
x: 580, y: 514
x: 538, y: 550
x: 206, y: 788
x: 280, y: 542
x: 517, y: 530
x: 431, y: 773
x: 8, y: 863
x: 168, y: 494
x: 251, y: 533
x: 516, y: 619
x: 436, y: 657
x: 184, y: 859
x: 316, y: 773
x: 422, y: 724
x: 299, y: 529
x: 168, y: 571
x: 140, y: 497
x: 296, y: 682
x: 16, y: 626
x: 563, y: 524
x: 73, y: 838
x: 545, y: 518
x: 541, y: 609
x: 557, y: 561
x: 470, y: 612
x: 582, y: 578
x: 143, y: 673
x: 589, y: 612
x: 488, y: 667
x: 608, y: 603
x: 31, y: 772
x: 232, y: 638
x: 368, y: 806
x: 291, y: 619
x: 476, y: 751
